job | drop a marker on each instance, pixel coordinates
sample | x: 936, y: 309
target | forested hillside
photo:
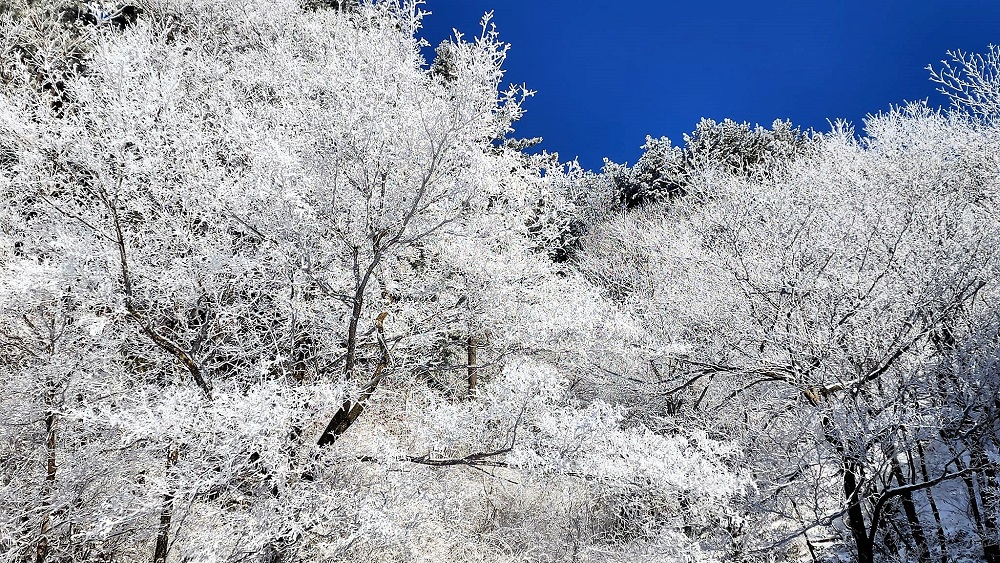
x: 276, y: 288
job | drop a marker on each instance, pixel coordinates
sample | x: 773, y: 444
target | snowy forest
x: 276, y: 287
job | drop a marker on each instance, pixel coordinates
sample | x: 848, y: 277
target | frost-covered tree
x: 219, y: 220
x: 816, y: 318
x: 664, y: 171
x: 971, y: 82
x: 274, y: 288
x: 230, y: 233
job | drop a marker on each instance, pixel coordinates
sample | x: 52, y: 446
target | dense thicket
x: 839, y: 322
x: 664, y: 171
x: 275, y: 288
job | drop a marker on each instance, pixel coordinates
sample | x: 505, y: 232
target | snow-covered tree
x: 229, y: 233
x: 664, y: 171
x: 813, y: 316
x: 274, y: 287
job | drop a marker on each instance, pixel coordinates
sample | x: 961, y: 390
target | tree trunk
x: 42, y: 550
x: 942, y: 541
x: 986, y: 475
x: 855, y: 515
x: 360, y: 285
x: 352, y: 335
x: 472, y: 373
x: 166, y: 513
x: 852, y: 495
x: 970, y: 489
x: 916, y: 530
x: 351, y: 410
x: 988, y: 492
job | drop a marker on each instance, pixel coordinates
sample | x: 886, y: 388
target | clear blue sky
x: 609, y: 73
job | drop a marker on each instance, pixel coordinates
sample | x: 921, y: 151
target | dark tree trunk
x: 351, y: 410
x: 42, y: 549
x: 166, y: 514
x: 360, y: 286
x: 352, y: 335
x: 942, y: 541
x: 916, y: 530
x: 855, y: 515
x: 970, y: 489
x: 988, y: 491
x: 986, y: 474
x: 852, y: 494
x: 472, y: 373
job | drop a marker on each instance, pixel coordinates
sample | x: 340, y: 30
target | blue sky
x: 609, y: 73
